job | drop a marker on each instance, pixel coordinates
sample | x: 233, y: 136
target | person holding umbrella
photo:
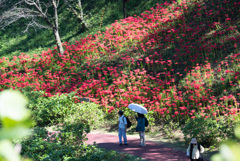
x: 140, y: 121
x: 141, y: 128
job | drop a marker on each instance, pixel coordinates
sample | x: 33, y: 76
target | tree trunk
x: 55, y: 29
x: 58, y: 40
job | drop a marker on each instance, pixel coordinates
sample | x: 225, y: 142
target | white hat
x: 194, y: 141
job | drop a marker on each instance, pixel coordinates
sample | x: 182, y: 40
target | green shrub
x: 62, y: 108
x: 46, y: 110
x: 63, y: 145
x: 86, y: 112
x: 74, y: 133
x: 208, y: 131
x: 151, y: 118
x: 170, y: 127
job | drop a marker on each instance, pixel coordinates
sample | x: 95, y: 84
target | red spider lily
x: 54, y: 73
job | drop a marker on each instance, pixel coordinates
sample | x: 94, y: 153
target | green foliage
x: 151, y: 118
x: 88, y: 113
x: 14, y: 123
x: 169, y: 128
x: 62, y: 145
x: 208, y: 131
x: 74, y: 133
x: 46, y: 110
x: 62, y: 108
x: 229, y: 151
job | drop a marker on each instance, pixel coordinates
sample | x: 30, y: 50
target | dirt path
x: 152, y: 151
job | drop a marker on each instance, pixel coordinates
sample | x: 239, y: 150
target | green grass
x: 14, y: 42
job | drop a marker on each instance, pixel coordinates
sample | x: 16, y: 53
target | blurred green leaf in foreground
x: 14, y: 123
x: 230, y: 150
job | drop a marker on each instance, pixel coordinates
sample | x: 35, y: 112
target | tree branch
x: 75, y: 11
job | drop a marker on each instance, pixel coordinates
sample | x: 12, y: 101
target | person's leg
x: 120, y: 135
x: 143, y: 138
x: 124, y: 136
x: 140, y: 138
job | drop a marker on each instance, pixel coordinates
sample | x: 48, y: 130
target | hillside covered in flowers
x: 179, y: 59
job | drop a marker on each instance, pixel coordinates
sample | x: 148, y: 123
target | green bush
x: 170, y: 127
x: 208, y: 131
x: 86, y: 112
x: 62, y: 108
x: 46, y: 110
x: 63, y: 145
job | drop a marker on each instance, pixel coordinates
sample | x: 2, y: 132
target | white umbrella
x: 137, y: 108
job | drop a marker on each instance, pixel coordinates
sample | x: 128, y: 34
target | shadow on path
x: 152, y: 151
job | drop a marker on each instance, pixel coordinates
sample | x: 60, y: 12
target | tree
x: 124, y: 8
x: 75, y: 6
x: 35, y: 11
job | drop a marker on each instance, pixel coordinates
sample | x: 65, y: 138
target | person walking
x: 122, y: 128
x: 141, y: 128
x: 194, y: 149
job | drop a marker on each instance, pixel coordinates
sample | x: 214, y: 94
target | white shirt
x: 195, y: 151
x: 122, y: 122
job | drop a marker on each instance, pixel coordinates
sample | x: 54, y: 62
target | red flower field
x: 178, y: 59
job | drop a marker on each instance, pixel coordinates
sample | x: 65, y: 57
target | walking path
x: 152, y: 151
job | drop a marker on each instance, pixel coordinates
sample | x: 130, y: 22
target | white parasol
x: 137, y: 108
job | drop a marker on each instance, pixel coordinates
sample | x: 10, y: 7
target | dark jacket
x: 140, y: 124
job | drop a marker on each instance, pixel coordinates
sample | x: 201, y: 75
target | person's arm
x: 201, y: 149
